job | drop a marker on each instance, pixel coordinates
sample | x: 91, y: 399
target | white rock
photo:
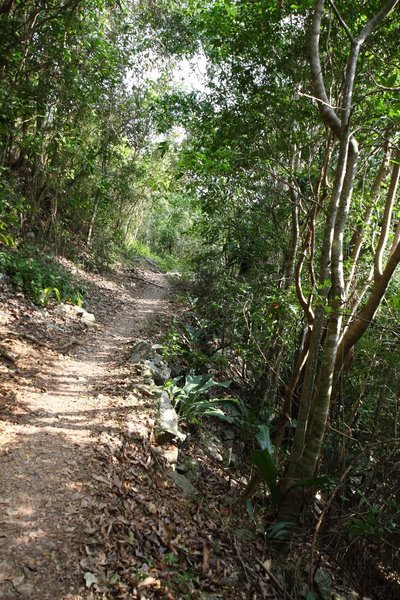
x: 160, y: 373
x: 167, y: 422
x: 75, y: 312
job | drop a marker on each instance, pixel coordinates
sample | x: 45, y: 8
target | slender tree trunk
x: 93, y: 220
x: 381, y: 278
x: 317, y: 390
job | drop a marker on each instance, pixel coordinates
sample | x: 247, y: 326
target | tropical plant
x: 264, y: 460
x: 189, y: 400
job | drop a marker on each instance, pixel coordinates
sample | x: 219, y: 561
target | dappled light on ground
x: 49, y: 440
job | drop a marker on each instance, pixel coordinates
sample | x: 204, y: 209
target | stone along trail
x: 49, y: 439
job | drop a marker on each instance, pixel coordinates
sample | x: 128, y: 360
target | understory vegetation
x: 267, y: 174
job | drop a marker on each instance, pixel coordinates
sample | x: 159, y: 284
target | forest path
x: 50, y: 437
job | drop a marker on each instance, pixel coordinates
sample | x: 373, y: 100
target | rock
x: 229, y: 435
x: 157, y: 348
x: 90, y: 579
x: 26, y: 590
x: 18, y: 580
x: 324, y: 583
x: 190, y: 468
x: 152, y: 263
x: 140, y: 351
x: 184, y: 484
x: 157, y: 392
x: 74, y: 311
x: 167, y: 423
x: 54, y: 328
x: 6, y: 571
x: 170, y: 453
x: 212, y: 446
x: 146, y: 389
x: 160, y: 373
x: 157, y: 359
x: 85, y: 315
x: 177, y: 370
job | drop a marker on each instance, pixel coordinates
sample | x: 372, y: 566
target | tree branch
x: 341, y: 21
x: 387, y: 217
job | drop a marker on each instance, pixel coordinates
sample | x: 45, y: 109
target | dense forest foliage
x: 272, y: 182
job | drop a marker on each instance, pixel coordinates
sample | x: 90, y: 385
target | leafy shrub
x: 376, y: 522
x: 12, y: 205
x: 183, y: 341
x: 39, y: 277
x: 189, y: 400
x: 265, y: 461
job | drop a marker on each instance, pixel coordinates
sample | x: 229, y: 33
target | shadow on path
x: 50, y: 452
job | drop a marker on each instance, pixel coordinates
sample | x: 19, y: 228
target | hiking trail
x: 49, y: 447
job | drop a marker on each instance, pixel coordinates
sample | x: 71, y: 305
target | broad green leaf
x: 263, y: 438
x: 266, y: 465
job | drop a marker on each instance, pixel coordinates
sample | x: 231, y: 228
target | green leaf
x: 391, y: 81
x: 266, y: 465
x: 278, y: 531
x: 263, y: 438
x: 250, y: 510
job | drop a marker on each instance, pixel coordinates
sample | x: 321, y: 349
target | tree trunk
x: 317, y: 390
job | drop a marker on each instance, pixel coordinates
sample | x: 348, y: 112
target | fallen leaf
x: 150, y: 582
x: 152, y: 508
x: 268, y: 564
x: 90, y: 579
x: 168, y: 532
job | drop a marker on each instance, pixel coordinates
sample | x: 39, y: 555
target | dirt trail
x: 91, y: 507
x: 49, y: 450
